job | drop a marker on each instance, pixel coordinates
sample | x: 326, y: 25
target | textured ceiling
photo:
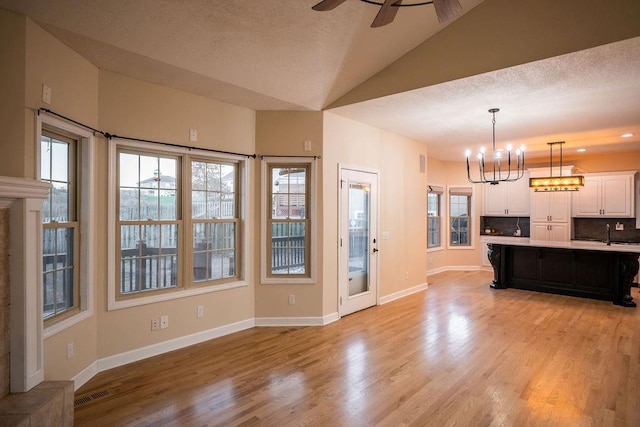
x: 587, y: 98
x: 269, y: 54
x: 281, y: 55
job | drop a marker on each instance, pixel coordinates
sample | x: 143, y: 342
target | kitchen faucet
x: 607, y: 235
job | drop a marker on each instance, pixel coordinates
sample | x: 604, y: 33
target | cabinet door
x: 586, y: 201
x: 559, y: 232
x: 540, y: 206
x: 559, y: 206
x: 539, y: 231
x: 616, y: 196
x: 495, y: 197
x: 519, y: 197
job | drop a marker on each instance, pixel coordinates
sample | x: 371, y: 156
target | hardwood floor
x: 457, y: 354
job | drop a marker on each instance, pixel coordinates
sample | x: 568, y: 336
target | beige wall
x: 284, y: 133
x: 74, y: 84
x: 402, y: 203
x: 12, y: 87
x: 595, y: 162
x: 453, y: 174
x: 133, y: 108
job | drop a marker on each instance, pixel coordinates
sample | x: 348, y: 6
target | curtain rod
x: 111, y: 136
x: 262, y: 156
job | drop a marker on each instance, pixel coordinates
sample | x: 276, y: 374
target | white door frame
x: 374, y: 231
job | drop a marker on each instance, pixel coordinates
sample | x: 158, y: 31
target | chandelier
x: 558, y: 183
x: 495, y: 174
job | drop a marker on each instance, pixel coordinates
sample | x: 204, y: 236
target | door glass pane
x: 358, y: 238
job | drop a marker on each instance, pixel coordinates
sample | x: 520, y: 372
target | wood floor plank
x: 459, y: 353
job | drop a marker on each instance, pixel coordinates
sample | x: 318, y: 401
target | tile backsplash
x: 594, y: 229
x: 504, y: 226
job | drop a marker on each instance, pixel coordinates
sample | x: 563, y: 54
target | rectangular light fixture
x: 556, y: 183
x: 559, y: 183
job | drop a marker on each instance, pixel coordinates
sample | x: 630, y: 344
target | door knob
x: 375, y: 250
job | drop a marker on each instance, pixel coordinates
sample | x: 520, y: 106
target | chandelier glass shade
x: 496, y: 172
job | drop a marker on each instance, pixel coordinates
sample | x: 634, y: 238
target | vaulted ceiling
x: 281, y: 55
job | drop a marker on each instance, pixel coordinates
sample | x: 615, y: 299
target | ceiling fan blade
x: 386, y: 14
x: 446, y: 9
x: 327, y: 5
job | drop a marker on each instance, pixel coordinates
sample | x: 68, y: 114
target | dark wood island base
x: 604, y: 275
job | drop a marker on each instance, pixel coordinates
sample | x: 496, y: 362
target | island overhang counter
x: 576, y: 268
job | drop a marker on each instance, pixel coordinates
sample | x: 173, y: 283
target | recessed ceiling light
x: 626, y: 135
x: 581, y: 150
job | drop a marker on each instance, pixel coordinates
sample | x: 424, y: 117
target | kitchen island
x: 576, y: 268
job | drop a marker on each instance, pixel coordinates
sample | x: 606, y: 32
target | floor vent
x: 91, y: 397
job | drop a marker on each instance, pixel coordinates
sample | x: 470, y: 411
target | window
x: 66, y: 159
x: 214, y: 212
x: 460, y: 216
x: 149, y: 226
x: 287, y: 221
x: 434, y: 213
x: 176, y: 223
x: 60, y: 242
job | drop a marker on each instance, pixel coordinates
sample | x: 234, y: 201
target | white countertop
x: 573, y: 244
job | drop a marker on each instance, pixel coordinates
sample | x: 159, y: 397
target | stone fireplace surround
x: 25, y: 399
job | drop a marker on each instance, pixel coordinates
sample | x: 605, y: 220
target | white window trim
x: 87, y: 216
x: 244, y: 209
x: 472, y: 222
x: 264, y: 191
x: 443, y: 214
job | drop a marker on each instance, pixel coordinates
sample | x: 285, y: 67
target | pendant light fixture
x: 495, y: 175
x: 559, y: 183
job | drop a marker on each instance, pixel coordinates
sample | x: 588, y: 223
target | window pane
x: 288, y: 248
x: 45, y: 158
x: 198, y: 176
x: 434, y: 232
x: 129, y: 170
x: 60, y: 202
x: 214, y: 251
x: 148, y: 257
x: 58, y: 270
x: 59, y: 161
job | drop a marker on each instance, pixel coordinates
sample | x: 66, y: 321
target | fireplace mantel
x: 23, y: 197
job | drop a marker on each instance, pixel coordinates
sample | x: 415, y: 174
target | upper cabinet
x: 552, y: 206
x: 606, y: 195
x: 507, y: 198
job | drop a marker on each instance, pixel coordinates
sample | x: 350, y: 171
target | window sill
x: 287, y: 281
x: 461, y: 248
x: 60, y: 326
x: 168, y: 296
x: 435, y: 249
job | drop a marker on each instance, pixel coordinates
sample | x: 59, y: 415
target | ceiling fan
x: 445, y: 9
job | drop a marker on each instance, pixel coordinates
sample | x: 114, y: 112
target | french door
x: 358, y: 251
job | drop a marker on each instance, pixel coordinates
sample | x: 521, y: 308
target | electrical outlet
x: 292, y: 299
x: 307, y: 146
x: 164, y: 322
x: 70, y: 350
x: 200, y: 311
x: 619, y: 226
x: 193, y: 135
x: 155, y: 324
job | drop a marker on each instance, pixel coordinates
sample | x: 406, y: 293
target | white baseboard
x: 289, y: 321
x: 170, y: 345
x: 85, y: 375
x: 405, y: 292
x: 330, y: 318
x: 454, y: 268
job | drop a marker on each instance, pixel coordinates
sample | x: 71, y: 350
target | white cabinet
x: 551, y: 206
x: 554, y: 232
x: 550, y: 216
x: 507, y: 198
x: 606, y: 195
